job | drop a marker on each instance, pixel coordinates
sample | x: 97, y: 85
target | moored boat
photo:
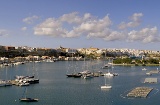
x: 106, y: 87
x: 78, y: 75
x: 144, y: 69
x: 28, y: 100
x: 23, y: 84
x: 109, y: 74
x: 106, y: 66
x: 70, y: 75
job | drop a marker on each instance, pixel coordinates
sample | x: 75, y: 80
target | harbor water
x: 55, y: 88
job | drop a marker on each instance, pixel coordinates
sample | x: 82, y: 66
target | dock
x: 150, y: 80
x: 141, y: 92
x: 154, y: 71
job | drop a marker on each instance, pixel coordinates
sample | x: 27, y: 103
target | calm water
x: 56, y: 89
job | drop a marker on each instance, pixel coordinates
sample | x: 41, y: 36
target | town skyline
x: 80, y: 24
x: 2, y: 48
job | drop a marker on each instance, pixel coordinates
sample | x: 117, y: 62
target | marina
x: 56, y: 88
x: 79, y: 52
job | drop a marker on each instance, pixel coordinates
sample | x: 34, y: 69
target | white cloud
x: 115, y: 35
x: 135, y: 21
x: 51, y: 27
x: 71, y: 18
x: 95, y: 25
x: 72, y: 25
x: 84, y: 25
x: 145, y: 35
x: 136, y: 17
x: 108, y: 35
x: 30, y: 20
x: 24, y: 28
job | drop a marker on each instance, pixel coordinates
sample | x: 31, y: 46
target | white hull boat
x: 109, y: 74
x: 106, y: 87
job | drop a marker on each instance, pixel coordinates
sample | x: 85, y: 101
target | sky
x: 132, y: 24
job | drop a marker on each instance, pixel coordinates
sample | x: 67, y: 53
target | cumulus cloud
x: 135, y: 21
x: 83, y: 25
x: 50, y: 27
x: 71, y: 18
x: 145, y: 35
x: 73, y: 25
x: 30, y: 20
x: 108, y: 35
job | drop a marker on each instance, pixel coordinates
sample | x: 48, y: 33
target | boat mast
x: 25, y: 93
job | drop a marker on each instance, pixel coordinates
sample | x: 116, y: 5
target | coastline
x: 136, y: 65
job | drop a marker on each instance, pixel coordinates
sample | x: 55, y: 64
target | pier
x: 150, y: 80
x: 154, y: 71
x: 141, y: 92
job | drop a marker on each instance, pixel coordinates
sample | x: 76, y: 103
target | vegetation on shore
x: 124, y: 59
x: 129, y: 61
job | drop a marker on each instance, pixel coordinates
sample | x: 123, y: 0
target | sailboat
x: 106, y: 86
x: 33, y: 79
x: 72, y: 67
x: 106, y: 65
x: 7, y: 82
x: 87, y: 74
x: 109, y: 73
x: 70, y: 74
x: 4, y: 83
x: 27, y: 99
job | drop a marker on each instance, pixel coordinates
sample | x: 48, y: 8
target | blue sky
x: 80, y: 23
